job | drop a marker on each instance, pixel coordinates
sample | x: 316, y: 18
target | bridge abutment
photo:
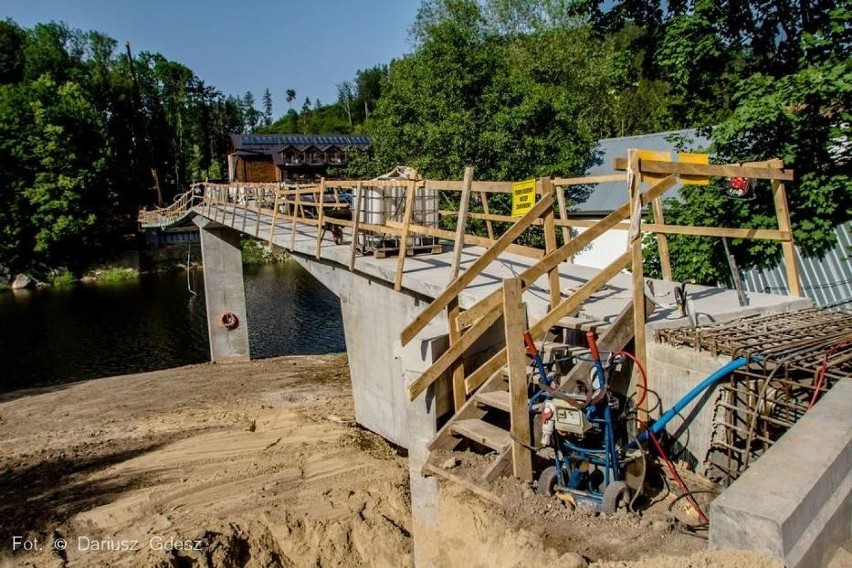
x: 381, y: 369
x: 224, y: 294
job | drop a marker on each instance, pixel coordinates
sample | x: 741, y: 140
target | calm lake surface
x: 51, y: 336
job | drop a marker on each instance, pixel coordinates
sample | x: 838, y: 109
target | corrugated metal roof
x: 827, y: 280
x: 604, y: 198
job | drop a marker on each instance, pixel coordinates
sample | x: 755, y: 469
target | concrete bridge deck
x: 426, y: 276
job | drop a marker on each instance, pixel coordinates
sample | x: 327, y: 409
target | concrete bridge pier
x: 225, y: 295
x: 381, y: 369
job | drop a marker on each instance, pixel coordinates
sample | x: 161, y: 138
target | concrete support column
x: 224, y: 292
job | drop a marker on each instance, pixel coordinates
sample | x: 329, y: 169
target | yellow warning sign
x: 689, y: 158
x: 523, y: 197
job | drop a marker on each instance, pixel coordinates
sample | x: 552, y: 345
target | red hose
x: 824, y: 369
x: 677, y: 477
x: 644, y: 376
x: 657, y: 445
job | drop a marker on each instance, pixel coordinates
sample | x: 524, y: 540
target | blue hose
x: 723, y: 372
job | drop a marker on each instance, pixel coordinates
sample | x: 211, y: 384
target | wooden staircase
x: 481, y: 425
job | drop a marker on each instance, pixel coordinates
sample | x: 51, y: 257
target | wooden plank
x: 533, y: 273
x: 257, y: 225
x: 489, y: 217
x: 550, y: 242
x: 733, y: 233
x: 459, y: 395
x: 476, y: 186
x: 453, y: 290
x: 403, y: 239
x: 483, y: 433
x: 563, y: 214
x: 639, y: 315
x: 489, y: 227
x: 485, y: 372
x: 500, y: 467
x: 708, y: 170
x: 470, y: 486
x: 449, y: 356
x: 245, y: 215
x: 782, y: 212
x: 568, y: 306
x: 514, y: 322
x: 444, y: 439
x: 461, y: 221
x: 662, y: 241
x: 274, y: 219
x: 499, y: 399
x: 355, y: 220
x: 564, y: 182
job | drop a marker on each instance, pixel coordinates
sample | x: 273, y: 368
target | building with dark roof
x: 594, y: 202
x: 291, y: 157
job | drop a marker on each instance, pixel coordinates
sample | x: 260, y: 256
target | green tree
x: 267, y: 107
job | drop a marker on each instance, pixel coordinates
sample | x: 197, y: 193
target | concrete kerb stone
x: 795, y: 503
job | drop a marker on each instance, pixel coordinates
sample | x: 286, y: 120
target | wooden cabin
x: 291, y: 157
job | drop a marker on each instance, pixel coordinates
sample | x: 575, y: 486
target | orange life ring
x: 229, y: 320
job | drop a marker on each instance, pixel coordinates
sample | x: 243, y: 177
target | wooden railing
x: 465, y: 327
x: 165, y: 216
x: 498, y: 233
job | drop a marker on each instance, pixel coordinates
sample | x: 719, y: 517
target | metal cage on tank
x: 382, y: 205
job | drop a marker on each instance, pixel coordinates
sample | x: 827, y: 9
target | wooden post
x: 461, y: 221
x: 403, y: 243
x: 320, y: 215
x: 459, y: 395
x: 550, y: 240
x: 234, y: 208
x: 453, y: 310
x: 563, y: 214
x: 355, y: 220
x: 662, y: 240
x: 245, y: 214
x: 258, y: 196
x: 274, y: 219
x: 639, y: 315
x: 782, y: 211
x: 514, y: 320
x: 483, y: 196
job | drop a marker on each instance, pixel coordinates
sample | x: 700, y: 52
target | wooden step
x: 482, y: 433
x: 583, y: 324
x: 498, y: 399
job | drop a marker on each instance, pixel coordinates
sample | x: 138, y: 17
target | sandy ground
x: 261, y: 464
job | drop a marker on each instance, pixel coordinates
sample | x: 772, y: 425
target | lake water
x: 58, y: 335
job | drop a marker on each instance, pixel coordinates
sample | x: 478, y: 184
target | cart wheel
x: 547, y: 481
x: 616, y: 497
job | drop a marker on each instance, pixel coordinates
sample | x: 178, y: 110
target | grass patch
x: 115, y: 275
x: 62, y: 278
x: 4, y: 287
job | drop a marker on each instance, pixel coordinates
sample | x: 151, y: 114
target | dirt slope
x: 261, y: 464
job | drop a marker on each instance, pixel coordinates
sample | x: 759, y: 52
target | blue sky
x: 309, y: 46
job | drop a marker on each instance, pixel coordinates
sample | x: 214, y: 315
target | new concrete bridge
x: 423, y: 319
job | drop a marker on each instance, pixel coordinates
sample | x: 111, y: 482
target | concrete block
x: 795, y: 502
x: 673, y: 372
